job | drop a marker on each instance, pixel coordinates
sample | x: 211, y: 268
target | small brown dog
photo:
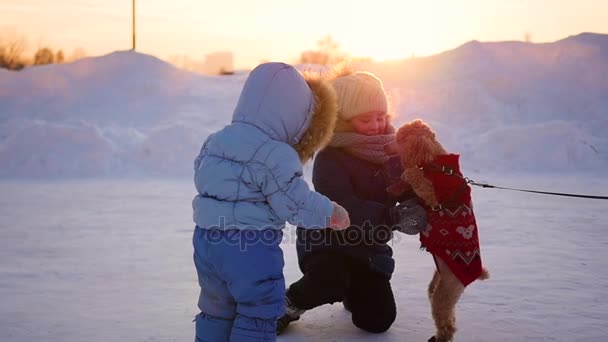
x: 451, y: 236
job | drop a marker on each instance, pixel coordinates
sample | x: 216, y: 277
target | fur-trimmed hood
x: 323, y: 120
x: 300, y: 111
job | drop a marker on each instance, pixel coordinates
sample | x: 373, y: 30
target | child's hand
x: 339, y: 218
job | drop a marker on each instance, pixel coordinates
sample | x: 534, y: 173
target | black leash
x: 483, y: 185
x: 448, y: 171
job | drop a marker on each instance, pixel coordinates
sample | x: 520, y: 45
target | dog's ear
x: 421, y: 185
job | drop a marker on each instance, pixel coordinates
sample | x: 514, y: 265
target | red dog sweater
x: 452, y: 231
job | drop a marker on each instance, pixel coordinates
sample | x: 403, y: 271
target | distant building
x: 219, y: 63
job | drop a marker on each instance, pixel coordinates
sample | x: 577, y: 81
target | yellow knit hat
x: 358, y: 93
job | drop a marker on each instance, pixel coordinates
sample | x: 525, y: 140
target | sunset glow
x: 281, y: 30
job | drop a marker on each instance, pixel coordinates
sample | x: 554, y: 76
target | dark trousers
x: 330, y: 277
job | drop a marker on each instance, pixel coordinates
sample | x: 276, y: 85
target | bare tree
x: 59, y: 58
x: 327, y: 53
x: 44, y: 56
x: 11, y: 52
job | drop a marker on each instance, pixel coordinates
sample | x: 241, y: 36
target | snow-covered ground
x: 95, y: 194
x: 103, y: 260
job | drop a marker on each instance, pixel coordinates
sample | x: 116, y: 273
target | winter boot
x: 292, y: 313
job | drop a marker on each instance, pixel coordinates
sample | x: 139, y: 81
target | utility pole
x: 133, y: 25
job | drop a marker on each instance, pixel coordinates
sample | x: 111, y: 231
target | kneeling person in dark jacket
x: 354, y: 266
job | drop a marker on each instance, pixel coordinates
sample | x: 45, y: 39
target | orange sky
x: 280, y: 30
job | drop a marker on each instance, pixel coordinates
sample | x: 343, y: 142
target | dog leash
x: 484, y: 185
x: 450, y: 172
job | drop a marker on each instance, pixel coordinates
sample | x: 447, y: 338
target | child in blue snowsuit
x: 248, y: 176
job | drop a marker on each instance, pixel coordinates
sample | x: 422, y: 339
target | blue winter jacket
x: 248, y: 174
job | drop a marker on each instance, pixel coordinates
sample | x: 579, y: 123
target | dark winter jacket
x: 360, y: 187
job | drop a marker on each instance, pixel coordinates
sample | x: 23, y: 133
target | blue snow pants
x: 240, y: 273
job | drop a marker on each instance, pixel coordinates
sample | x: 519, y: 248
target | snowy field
x: 105, y: 260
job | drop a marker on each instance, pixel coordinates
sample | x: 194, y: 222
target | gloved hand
x: 339, y: 218
x: 408, y: 217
